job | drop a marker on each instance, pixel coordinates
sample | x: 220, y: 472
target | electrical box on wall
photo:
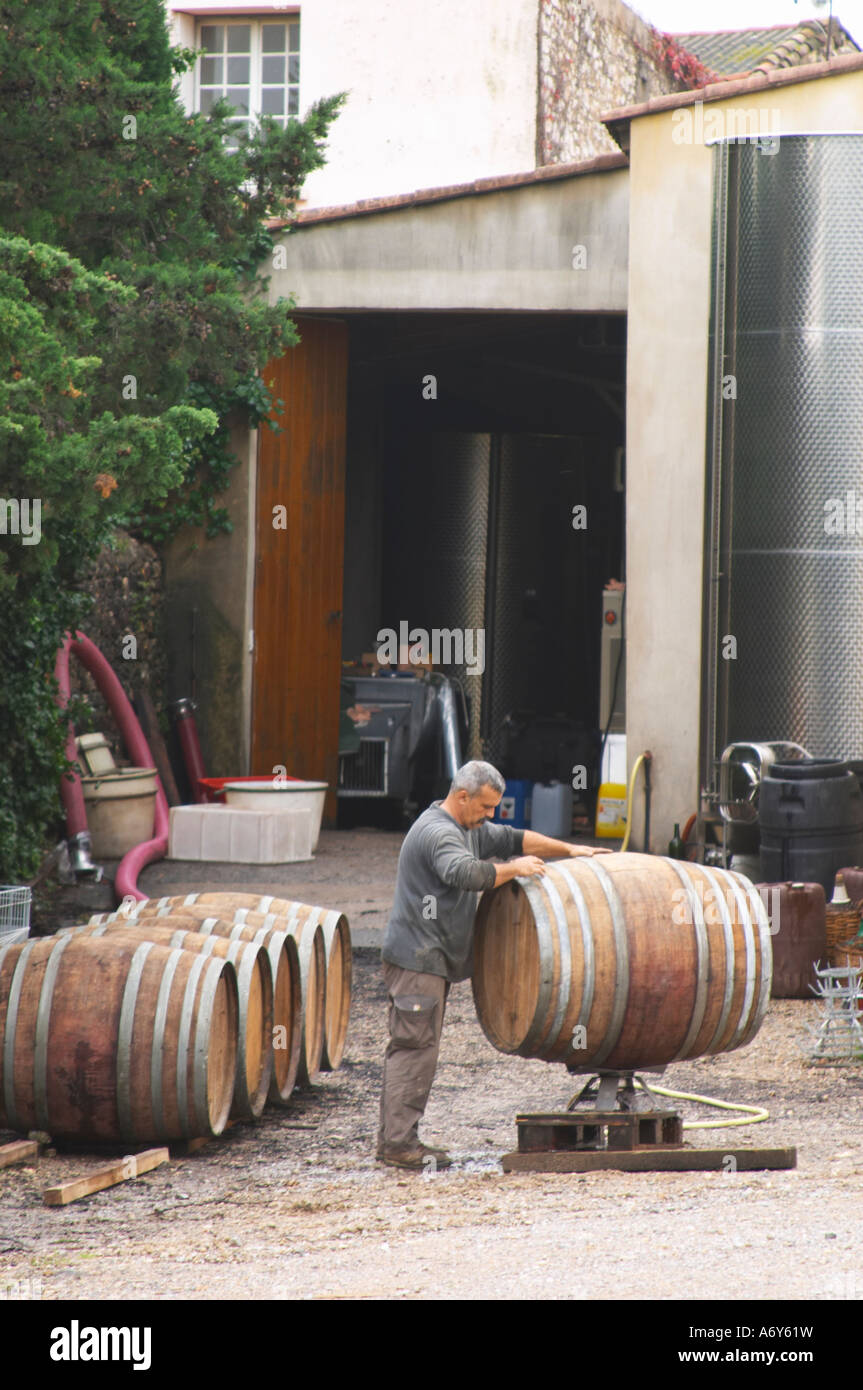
x: 612, y: 663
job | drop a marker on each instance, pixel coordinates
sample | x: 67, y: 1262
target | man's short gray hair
x: 473, y: 776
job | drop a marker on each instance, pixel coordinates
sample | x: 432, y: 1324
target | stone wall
x: 594, y: 55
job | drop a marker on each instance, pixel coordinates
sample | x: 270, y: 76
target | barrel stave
x: 339, y: 971
x: 661, y: 967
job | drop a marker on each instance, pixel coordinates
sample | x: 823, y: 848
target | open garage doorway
x: 484, y: 505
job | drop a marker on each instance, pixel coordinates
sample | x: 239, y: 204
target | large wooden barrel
x: 337, y: 949
x: 126, y: 1040
x: 622, y: 961
x: 313, y: 983
x: 337, y: 945
x: 288, y: 1045
x: 221, y: 902
x: 255, y: 1000
x: 338, y: 970
x: 197, y: 912
x: 288, y: 1002
x: 287, y: 980
x: 337, y: 956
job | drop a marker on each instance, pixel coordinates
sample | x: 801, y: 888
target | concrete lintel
x: 559, y: 245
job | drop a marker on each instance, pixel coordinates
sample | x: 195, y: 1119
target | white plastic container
x: 551, y: 811
x: 614, y: 760
x: 228, y: 835
x: 269, y: 795
x: 95, y: 754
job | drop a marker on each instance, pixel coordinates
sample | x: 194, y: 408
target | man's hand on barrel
x: 533, y: 843
x: 525, y: 866
x: 528, y: 866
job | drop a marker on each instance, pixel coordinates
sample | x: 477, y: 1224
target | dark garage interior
x: 471, y: 439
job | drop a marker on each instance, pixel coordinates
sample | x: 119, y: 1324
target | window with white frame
x: 253, y: 64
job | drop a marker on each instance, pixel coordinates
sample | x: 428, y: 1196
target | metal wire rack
x: 14, y: 909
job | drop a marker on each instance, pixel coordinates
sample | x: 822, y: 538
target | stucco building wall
x: 445, y: 94
x: 669, y: 305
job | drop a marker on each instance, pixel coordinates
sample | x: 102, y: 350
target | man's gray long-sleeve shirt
x: 441, y: 874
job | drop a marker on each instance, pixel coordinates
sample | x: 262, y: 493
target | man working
x: 428, y: 943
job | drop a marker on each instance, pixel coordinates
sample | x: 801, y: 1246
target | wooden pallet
x: 651, y: 1159
x: 615, y: 1130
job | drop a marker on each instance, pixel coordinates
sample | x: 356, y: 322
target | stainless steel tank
x: 434, y: 572
x: 784, y: 578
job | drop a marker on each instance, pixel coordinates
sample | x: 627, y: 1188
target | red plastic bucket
x: 216, y: 785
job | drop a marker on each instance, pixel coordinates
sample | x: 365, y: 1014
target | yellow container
x: 611, y: 811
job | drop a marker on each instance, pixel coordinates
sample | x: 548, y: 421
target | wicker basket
x: 843, y: 923
x: 846, y: 953
x: 851, y: 956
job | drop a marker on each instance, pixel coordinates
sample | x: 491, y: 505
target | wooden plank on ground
x: 17, y: 1152
x: 125, y: 1168
x: 593, y: 1117
x: 652, y: 1160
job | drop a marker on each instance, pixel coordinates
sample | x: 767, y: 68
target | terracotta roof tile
x: 732, y: 52
x: 547, y: 173
x: 759, y: 81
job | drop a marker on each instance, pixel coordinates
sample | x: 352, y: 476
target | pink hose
x: 126, y: 881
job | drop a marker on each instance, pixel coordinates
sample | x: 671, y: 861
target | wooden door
x: 300, y: 519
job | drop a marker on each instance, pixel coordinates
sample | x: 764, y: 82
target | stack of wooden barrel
x: 164, y: 1022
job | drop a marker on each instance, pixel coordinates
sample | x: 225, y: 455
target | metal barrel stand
x: 627, y: 1129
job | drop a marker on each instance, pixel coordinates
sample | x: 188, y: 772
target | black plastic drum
x: 811, y: 818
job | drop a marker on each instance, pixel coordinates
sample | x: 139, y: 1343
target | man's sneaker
x: 418, y: 1157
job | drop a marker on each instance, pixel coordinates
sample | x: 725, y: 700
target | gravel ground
x: 296, y: 1205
